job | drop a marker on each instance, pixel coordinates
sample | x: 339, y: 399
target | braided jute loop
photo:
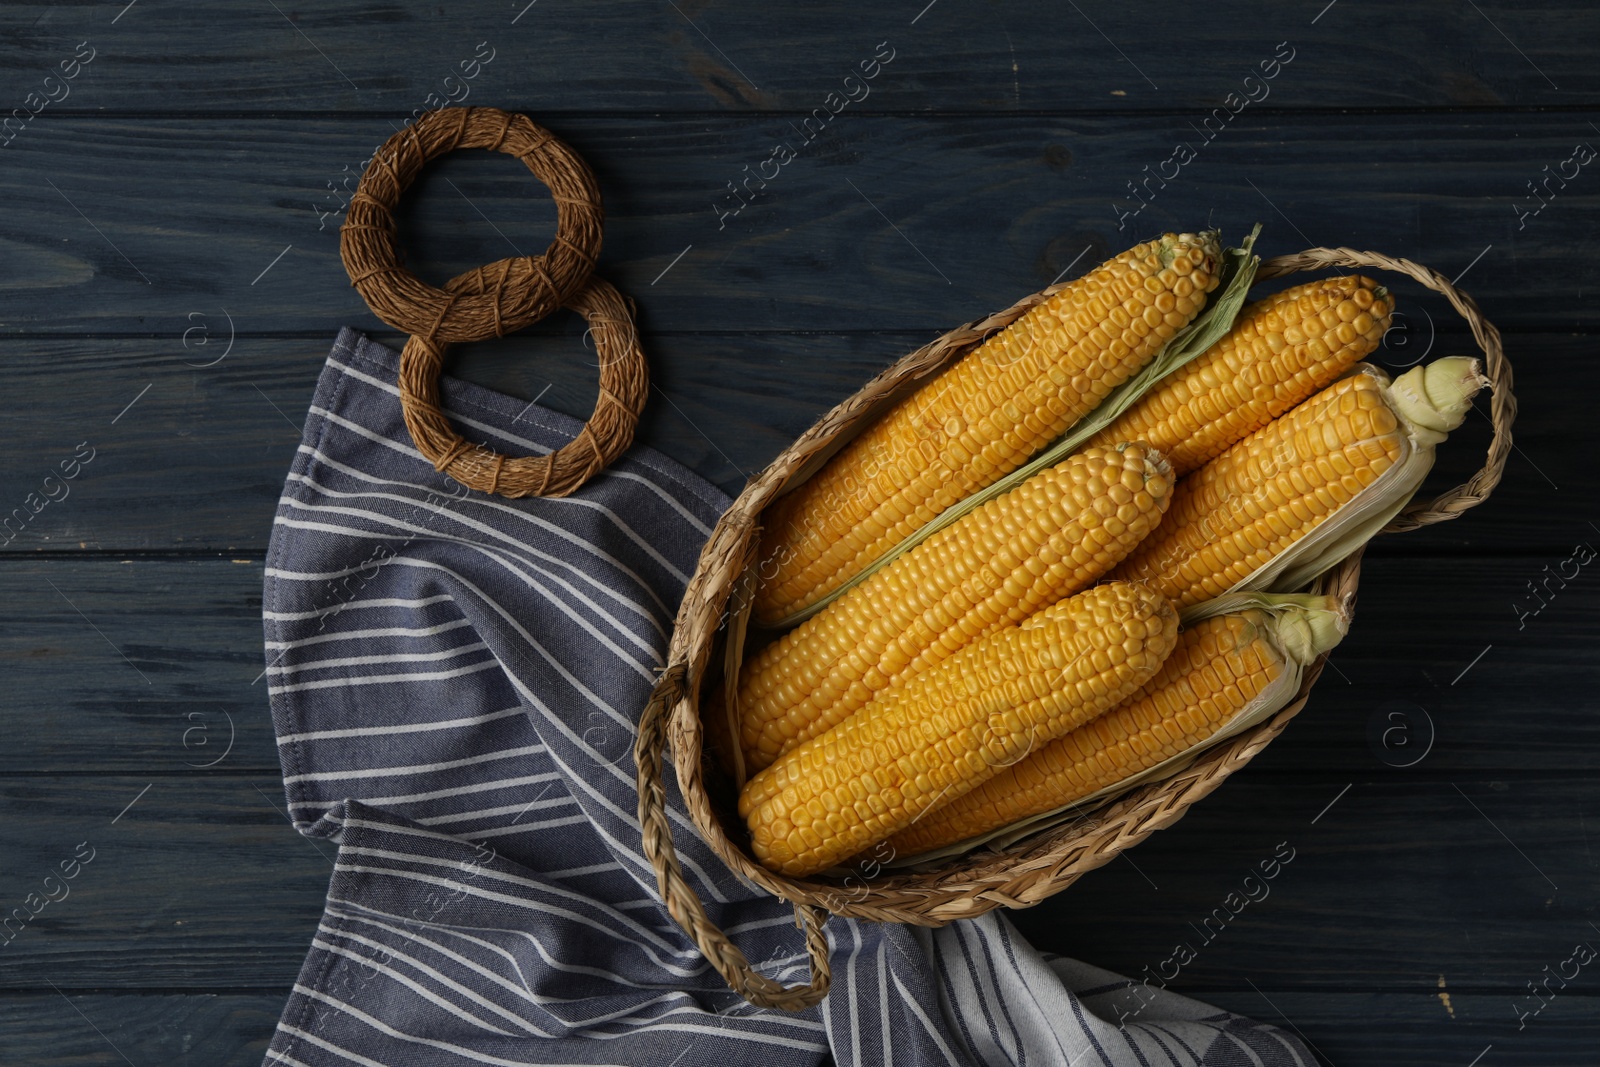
x: 1041, y: 864
x: 496, y: 299
x: 624, y: 386
x: 1502, y: 404
x: 682, y: 901
x: 510, y: 293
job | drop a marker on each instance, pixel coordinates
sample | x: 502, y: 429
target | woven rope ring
x: 496, y: 299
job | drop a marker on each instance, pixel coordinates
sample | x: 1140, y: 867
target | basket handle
x: 1502, y: 404
x: 682, y: 901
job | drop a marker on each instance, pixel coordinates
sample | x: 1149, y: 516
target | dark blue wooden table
x: 172, y: 178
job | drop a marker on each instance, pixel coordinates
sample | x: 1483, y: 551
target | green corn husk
x: 1210, y: 326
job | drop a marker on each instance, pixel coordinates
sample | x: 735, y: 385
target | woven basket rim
x: 1037, y: 866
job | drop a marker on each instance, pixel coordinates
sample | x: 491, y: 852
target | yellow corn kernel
x: 1280, y: 351
x: 1048, y: 538
x: 982, y: 418
x: 1263, y: 494
x: 1219, y: 666
x: 941, y: 732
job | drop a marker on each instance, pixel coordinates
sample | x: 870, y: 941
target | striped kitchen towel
x: 454, y: 682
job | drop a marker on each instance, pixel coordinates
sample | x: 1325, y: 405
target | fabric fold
x: 455, y: 681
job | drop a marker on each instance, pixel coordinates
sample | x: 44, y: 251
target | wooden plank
x: 197, y: 882
x: 1454, y: 664
x: 1389, y: 885
x: 157, y: 672
x: 997, y: 57
x: 198, y: 461
x: 948, y: 217
x: 192, y: 889
x: 996, y: 140
x: 72, y: 1029
x: 136, y: 665
x: 1422, y: 1030
x: 202, y: 885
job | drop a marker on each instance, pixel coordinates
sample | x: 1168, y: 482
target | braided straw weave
x: 496, y: 299
x: 1023, y: 873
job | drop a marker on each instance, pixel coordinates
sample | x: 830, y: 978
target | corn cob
x: 1220, y: 668
x: 982, y: 418
x: 939, y: 733
x: 1238, y: 512
x: 1050, y: 537
x: 1280, y: 351
x: 1302, y: 492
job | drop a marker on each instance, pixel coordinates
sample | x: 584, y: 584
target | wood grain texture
x: 159, y: 670
x: 852, y: 234
x: 198, y: 462
x: 74, y: 1029
x: 196, y: 175
x: 137, y: 666
x: 1427, y: 1030
x: 1484, y: 880
x: 1451, y: 664
x: 639, y: 56
x: 203, y: 885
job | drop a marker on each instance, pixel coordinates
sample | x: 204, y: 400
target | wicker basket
x: 1037, y: 866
